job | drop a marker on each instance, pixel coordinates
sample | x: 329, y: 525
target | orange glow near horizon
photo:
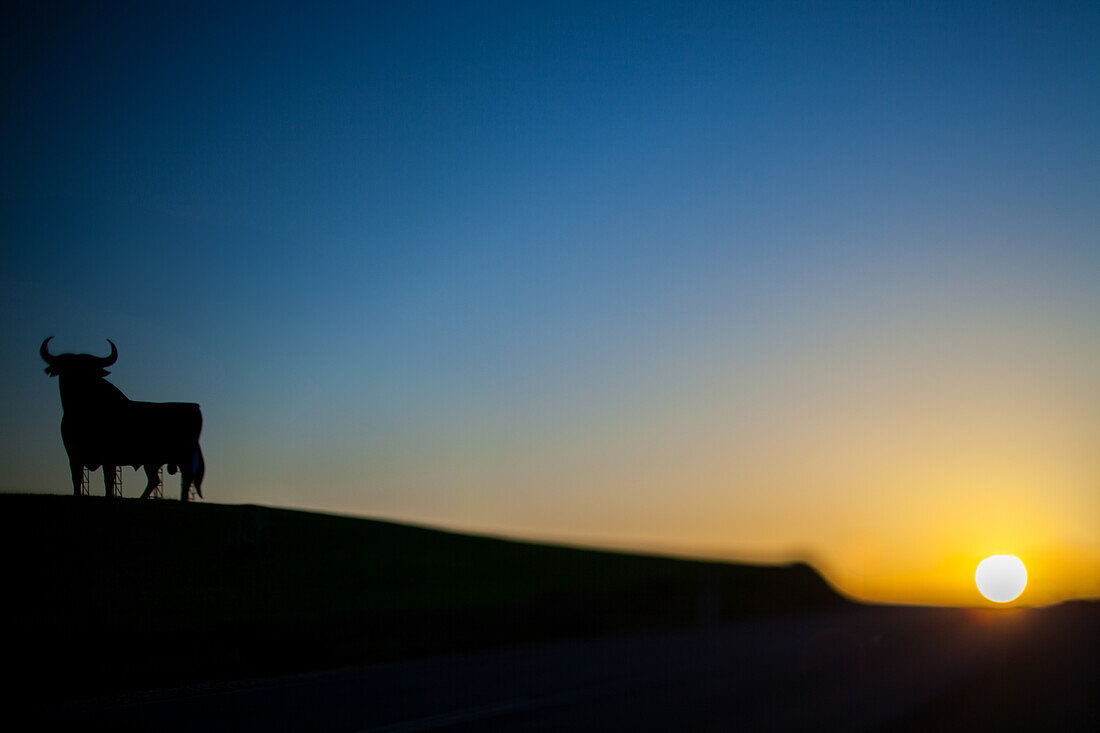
x: 893, y: 467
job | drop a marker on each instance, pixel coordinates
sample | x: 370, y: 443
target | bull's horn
x: 109, y: 360
x: 44, y: 352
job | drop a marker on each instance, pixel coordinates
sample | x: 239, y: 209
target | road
x: 861, y: 668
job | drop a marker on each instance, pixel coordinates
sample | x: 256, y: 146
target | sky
x: 762, y: 281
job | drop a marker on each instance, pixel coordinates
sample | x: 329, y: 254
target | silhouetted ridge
x: 135, y: 594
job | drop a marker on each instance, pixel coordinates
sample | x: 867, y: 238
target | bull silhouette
x: 101, y: 426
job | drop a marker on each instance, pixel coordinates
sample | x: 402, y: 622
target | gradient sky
x: 751, y: 280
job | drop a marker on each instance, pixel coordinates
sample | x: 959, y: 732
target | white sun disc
x: 1001, y: 578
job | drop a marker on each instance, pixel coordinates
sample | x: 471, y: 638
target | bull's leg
x: 77, y: 470
x: 198, y: 466
x: 153, y: 480
x: 109, y: 480
x: 186, y: 476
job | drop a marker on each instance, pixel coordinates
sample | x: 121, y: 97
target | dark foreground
x: 854, y: 669
x: 108, y: 597
x: 107, y: 605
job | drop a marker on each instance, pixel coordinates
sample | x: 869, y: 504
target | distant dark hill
x: 107, y: 596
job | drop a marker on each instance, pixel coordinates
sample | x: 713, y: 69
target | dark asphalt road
x: 850, y: 670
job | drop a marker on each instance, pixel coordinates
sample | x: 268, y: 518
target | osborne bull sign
x: 103, y: 427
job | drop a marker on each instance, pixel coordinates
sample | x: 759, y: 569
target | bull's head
x: 82, y: 365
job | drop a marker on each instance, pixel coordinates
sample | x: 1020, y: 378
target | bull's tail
x: 198, y: 469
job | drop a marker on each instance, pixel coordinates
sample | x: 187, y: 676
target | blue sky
x: 481, y: 264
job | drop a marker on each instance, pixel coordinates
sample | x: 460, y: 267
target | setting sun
x: 1001, y: 578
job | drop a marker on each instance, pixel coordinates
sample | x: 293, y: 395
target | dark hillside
x: 108, y: 596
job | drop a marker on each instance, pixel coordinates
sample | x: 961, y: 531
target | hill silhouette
x: 121, y: 595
